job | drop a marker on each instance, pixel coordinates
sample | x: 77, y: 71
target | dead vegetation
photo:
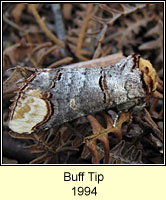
x: 53, y: 35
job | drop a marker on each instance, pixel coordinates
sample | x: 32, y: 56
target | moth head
x: 149, y: 74
x: 29, y: 111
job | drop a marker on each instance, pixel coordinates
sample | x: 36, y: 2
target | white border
x: 164, y: 77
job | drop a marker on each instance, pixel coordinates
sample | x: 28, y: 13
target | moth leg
x: 131, y: 119
x: 116, y: 118
x: 138, y: 108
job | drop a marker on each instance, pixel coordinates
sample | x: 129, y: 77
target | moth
x: 51, y: 97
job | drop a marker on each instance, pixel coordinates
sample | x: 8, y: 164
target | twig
x: 59, y: 24
x: 107, y: 22
x: 83, y: 30
x: 44, y: 28
x: 40, y: 60
x: 153, y: 125
x: 13, y: 24
x: 40, y: 46
x: 58, y: 19
x: 160, y: 85
x: 158, y: 95
x: 63, y: 61
x: 153, y: 104
x: 14, y: 149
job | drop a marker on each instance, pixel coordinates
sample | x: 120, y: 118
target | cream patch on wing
x: 29, y: 111
x: 149, y: 74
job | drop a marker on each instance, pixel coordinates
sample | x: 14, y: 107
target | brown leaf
x: 12, y: 83
x: 96, y: 127
x: 34, y: 148
x: 153, y: 125
x: 17, y: 11
x: 21, y: 136
x: 93, y: 149
x: 15, y: 53
x: 67, y: 9
x: 101, y: 134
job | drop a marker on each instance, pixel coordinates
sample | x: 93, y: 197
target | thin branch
x: 63, y: 61
x: 14, y: 25
x: 44, y: 28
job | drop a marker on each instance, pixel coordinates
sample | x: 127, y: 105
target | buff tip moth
x: 51, y: 97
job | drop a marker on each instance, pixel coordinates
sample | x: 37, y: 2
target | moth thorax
x: 30, y: 111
